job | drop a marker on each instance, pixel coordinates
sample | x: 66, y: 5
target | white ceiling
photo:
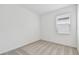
x: 43, y: 8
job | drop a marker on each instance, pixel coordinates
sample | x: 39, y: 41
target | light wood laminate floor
x: 42, y: 47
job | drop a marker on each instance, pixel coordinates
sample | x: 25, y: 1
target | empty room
x: 39, y: 29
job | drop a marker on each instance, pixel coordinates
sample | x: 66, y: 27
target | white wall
x: 78, y: 27
x: 48, y: 27
x: 18, y: 27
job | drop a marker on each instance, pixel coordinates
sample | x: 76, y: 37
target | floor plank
x: 42, y: 47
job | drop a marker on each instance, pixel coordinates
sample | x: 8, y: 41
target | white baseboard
x: 14, y: 48
x: 57, y: 42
